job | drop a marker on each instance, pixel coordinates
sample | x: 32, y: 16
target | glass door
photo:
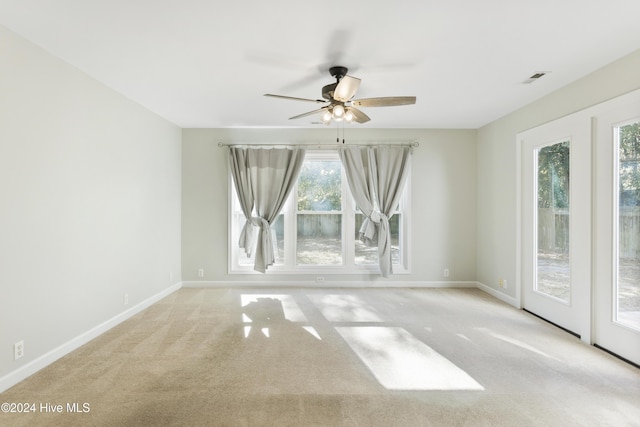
x: 617, y: 290
x: 627, y: 224
x: 555, y: 207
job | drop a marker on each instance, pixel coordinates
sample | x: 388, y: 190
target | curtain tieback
x: 369, y: 229
x: 377, y: 217
x: 258, y: 221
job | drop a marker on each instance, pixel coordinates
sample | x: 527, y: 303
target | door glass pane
x: 628, y: 283
x: 553, y: 193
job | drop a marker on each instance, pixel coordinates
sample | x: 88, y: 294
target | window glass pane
x: 240, y: 254
x: 319, y: 240
x: 368, y: 255
x: 278, y: 228
x: 628, y: 284
x: 320, y: 186
x: 553, y: 272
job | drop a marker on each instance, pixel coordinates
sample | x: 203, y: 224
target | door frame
x: 575, y: 315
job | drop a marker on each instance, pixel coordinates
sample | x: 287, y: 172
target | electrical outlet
x: 446, y: 272
x: 201, y: 272
x: 18, y: 350
x: 319, y: 279
x: 125, y: 299
x: 504, y: 283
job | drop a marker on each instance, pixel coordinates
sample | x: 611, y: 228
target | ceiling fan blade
x: 358, y: 116
x: 346, y: 88
x: 310, y: 113
x: 389, y: 101
x: 321, y: 101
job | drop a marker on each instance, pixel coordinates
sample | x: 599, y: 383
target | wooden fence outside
x: 553, y: 231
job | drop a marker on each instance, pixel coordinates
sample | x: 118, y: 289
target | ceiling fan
x: 339, y: 102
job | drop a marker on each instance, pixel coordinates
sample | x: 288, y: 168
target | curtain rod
x: 315, y: 145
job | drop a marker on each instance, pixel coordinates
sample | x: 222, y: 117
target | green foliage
x: 553, y: 176
x: 630, y: 164
x: 553, y: 170
x: 320, y: 186
x: 630, y: 142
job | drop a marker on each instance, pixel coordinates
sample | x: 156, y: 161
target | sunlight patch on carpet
x: 312, y: 331
x: 464, y: 337
x: 345, y: 308
x: 516, y: 342
x: 267, y: 312
x: 399, y: 361
x: 273, y: 307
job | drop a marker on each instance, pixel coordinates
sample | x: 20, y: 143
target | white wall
x: 89, y: 202
x: 443, y: 199
x: 497, y: 161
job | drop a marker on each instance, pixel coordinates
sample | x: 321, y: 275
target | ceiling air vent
x: 535, y: 77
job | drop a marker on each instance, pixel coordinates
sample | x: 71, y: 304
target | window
x: 317, y: 231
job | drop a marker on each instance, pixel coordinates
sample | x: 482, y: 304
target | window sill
x: 316, y: 270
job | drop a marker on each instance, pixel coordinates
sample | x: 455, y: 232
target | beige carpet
x: 349, y: 357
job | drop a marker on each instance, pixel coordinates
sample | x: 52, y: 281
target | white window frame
x: 348, y: 232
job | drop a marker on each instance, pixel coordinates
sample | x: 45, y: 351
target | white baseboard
x: 14, y: 377
x: 502, y: 297
x: 351, y: 284
x: 328, y: 284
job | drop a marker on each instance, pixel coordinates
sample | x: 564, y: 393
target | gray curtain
x: 376, y: 178
x: 263, y: 179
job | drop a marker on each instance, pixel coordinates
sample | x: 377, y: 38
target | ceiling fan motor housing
x: 338, y: 72
x: 328, y: 90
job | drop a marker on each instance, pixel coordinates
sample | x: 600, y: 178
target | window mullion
x: 291, y: 220
x: 348, y: 225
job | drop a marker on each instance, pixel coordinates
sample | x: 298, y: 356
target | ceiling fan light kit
x: 339, y: 103
x: 338, y: 113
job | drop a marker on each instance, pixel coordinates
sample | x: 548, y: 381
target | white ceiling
x: 205, y: 63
